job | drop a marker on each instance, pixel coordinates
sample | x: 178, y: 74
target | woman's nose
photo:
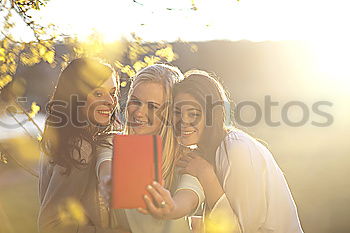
x: 141, y: 110
x: 185, y: 119
x: 109, y: 99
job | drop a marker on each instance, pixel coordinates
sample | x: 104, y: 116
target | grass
x: 18, y: 201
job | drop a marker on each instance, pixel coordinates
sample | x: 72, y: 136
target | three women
x: 241, y: 181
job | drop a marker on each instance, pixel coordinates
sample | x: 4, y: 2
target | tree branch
x: 27, y: 169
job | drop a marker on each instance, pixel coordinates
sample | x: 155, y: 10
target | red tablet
x: 137, y: 161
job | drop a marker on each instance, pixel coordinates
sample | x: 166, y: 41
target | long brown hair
x: 209, y: 93
x: 77, y: 80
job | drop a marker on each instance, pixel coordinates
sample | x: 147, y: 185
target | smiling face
x: 189, y: 119
x: 144, y: 106
x: 101, y: 103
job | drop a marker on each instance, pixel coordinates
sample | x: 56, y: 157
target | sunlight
x: 320, y: 23
x: 332, y: 58
x: 253, y: 20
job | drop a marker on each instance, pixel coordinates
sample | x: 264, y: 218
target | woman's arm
x: 103, y: 168
x: 196, y: 166
x: 60, y: 207
x: 244, y: 185
x: 221, y: 214
x: 183, y: 203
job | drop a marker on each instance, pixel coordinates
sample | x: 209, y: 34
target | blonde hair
x: 167, y: 76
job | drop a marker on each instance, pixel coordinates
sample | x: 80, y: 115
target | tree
x: 133, y: 55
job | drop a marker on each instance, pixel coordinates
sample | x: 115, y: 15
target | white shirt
x: 140, y: 223
x: 255, y: 190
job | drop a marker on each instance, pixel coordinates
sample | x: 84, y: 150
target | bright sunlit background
x: 321, y: 24
x: 255, y: 20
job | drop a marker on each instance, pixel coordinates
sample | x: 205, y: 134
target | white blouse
x: 255, y: 190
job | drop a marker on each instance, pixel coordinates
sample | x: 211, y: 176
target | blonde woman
x: 149, y: 112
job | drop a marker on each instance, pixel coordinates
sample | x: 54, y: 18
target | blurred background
x: 292, y: 53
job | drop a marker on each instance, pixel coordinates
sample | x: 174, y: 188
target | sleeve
x: 244, y: 187
x: 60, y: 209
x: 103, y: 153
x: 191, y: 183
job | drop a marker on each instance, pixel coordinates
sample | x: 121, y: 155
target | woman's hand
x: 160, y: 204
x: 193, y: 164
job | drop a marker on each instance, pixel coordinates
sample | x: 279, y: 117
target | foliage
x: 12, y: 51
x: 128, y: 56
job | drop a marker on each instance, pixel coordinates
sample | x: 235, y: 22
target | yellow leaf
x: 123, y: 83
x: 49, y: 56
x: 29, y: 59
x: 39, y: 138
x: 139, y: 65
x: 3, y: 68
x: 151, y: 60
x: 34, y: 49
x: 166, y: 53
x: 4, y: 80
x: 34, y: 110
x: 3, y: 159
x: 2, y: 52
x: 11, y: 58
x: 42, y: 50
x: 118, y: 64
x: 24, y: 58
x: 5, y: 43
x: 127, y: 70
x: 12, y: 68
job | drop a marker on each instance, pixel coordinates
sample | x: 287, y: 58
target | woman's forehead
x: 186, y: 101
x: 149, y: 92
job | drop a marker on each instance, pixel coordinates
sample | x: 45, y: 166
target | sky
x: 323, y: 24
x: 255, y: 20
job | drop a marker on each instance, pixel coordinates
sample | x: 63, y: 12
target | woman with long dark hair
x: 82, y: 108
x: 245, y: 190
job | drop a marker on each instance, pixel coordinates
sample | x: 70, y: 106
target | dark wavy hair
x: 60, y: 138
x: 205, y: 87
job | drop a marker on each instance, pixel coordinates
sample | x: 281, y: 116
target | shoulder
x: 238, y: 140
x: 236, y: 135
x: 240, y: 148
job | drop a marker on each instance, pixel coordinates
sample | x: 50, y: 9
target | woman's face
x: 188, y: 119
x: 101, y: 103
x: 145, y: 107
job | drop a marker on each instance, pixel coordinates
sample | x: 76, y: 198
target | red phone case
x: 137, y: 161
